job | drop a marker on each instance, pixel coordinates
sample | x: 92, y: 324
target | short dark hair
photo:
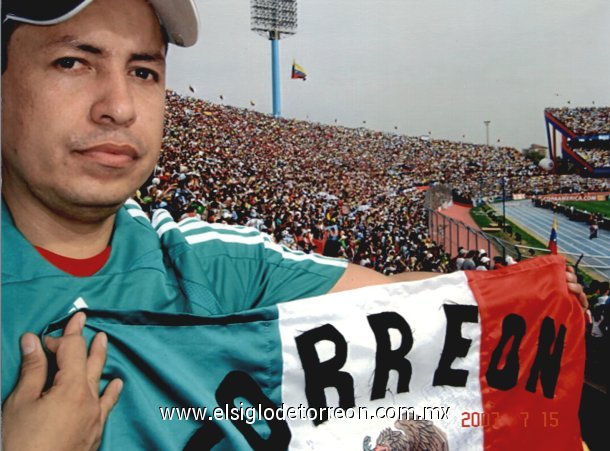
x: 8, y: 28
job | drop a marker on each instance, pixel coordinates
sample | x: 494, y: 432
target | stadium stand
x: 585, y: 137
x: 352, y: 193
x: 583, y: 121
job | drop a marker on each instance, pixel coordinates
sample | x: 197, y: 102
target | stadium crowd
x: 352, y: 193
x: 596, y: 157
x: 583, y: 120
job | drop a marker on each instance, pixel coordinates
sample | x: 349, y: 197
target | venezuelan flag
x: 298, y: 72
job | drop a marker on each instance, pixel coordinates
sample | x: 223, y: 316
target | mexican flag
x: 471, y: 360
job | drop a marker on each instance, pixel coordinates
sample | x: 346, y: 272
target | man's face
x: 82, y: 109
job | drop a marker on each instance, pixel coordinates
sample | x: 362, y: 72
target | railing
x: 453, y: 234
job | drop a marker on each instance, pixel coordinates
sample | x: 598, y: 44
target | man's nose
x: 114, y: 100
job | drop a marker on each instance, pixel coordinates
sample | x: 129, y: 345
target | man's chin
x: 92, y: 213
x: 89, y: 210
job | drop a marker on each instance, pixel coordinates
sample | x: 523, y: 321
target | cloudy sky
x: 423, y: 66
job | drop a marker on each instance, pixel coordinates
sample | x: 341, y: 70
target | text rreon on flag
x: 485, y: 360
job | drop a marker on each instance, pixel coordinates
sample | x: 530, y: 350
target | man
x: 593, y: 227
x: 604, y: 294
x: 83, y: 87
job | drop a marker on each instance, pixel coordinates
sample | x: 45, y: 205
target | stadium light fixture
x: 274, y: 19
x: 487, y: 131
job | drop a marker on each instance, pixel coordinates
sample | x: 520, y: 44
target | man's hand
x: 576, y: 288
x: 71, y: 414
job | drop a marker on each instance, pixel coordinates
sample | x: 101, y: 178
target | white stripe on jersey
x: 158, y: 217
x: 137, y: 213
x: 259, y: 239
x: 170, y: 225
x: 194, y: 225
x: 237, y: 235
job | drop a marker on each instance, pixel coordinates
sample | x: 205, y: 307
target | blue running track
x: 573, y: 237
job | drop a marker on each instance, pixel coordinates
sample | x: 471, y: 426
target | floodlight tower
x: 274, y: 19
x: 487, y: 131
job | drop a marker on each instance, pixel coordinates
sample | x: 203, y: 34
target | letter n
x: 547, y: 364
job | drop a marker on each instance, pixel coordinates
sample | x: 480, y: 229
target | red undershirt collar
x: 79, y: 267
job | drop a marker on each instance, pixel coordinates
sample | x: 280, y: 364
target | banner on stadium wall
x: 466, y: 361
x: 574, y: 196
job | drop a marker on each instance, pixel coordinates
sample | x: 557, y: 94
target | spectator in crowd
x: 604, y: 297
x: 469, y: 262
x: 458, y: 262
x: 498, y: 262
x: 510, y: 261
x: 483, y: 264
x: 593, y: 228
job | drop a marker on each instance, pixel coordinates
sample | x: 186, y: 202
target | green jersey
x: 155, y: 265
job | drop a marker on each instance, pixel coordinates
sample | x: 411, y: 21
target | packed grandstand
x: 584, y: 120
x: 588, y: 130
x: 352, y: 193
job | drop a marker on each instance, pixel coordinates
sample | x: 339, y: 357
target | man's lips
x: 110, y: 155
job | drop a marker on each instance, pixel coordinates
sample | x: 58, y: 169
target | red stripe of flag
x: 532, y: 357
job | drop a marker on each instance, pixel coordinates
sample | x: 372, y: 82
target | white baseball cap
x: 179, y: 18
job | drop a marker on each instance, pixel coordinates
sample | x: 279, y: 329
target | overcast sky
x: 439, y: 66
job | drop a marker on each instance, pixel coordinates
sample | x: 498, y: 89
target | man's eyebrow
x: 70, y: 41
x: 156, y: 57
x: 89, y: 49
